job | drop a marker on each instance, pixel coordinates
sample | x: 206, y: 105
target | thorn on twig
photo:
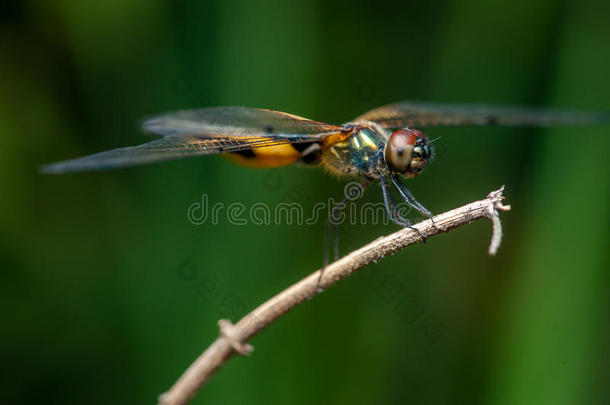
x: 227, y: 331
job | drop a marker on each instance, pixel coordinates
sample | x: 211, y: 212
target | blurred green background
x: 108, y: 292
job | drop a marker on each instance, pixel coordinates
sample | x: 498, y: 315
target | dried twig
x: 233, y: 338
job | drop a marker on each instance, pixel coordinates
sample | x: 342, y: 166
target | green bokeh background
x: 108, y: 292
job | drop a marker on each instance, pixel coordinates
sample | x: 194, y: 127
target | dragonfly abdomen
x: 269, y: 156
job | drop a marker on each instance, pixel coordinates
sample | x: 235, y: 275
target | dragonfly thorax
x: 359, y: 154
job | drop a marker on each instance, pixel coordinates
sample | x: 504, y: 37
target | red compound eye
x: 403, y: 138
x: 399, y: 149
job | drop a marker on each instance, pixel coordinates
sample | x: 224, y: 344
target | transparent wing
x: 235, y: 121
x: 204, y: 132
x: 423, y: 114
x: 170, y: 147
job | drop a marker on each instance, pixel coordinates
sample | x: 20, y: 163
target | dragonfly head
x: 407, y: 152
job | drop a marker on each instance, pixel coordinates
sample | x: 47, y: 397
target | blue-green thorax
x: 360, y: 154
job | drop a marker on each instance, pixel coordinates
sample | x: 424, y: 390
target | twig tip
x: 496, y: 205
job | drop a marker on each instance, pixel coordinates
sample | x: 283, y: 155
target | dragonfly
x: 385, y: 144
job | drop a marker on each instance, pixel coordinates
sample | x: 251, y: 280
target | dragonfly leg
x: 390, y: 205
x: 332, y: 226
x: 410, y: 199
x: 392, y: 211
x: 408, y: 196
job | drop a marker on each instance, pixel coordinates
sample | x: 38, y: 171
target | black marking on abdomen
x: 301, y: 146
x: 310, y: 151
x: 247, y: 153
x: 311, y: 158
